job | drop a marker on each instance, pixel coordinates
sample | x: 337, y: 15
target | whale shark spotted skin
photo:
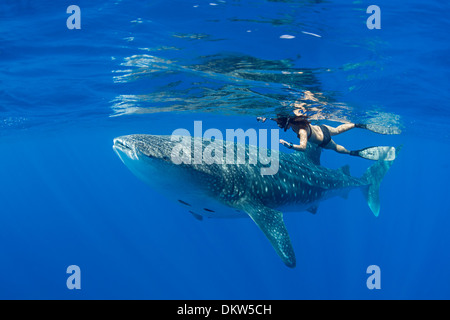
x: 226, y: 189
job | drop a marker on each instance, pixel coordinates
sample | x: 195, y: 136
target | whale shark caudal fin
x: 272, y: 225
x: 373, y: 177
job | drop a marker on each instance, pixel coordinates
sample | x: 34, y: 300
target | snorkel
x: 286, y: 126
x: 282, y: 124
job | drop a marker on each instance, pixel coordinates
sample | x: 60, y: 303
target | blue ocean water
x: 155, y: 66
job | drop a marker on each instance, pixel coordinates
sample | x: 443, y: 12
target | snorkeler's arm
x: 303, y: 141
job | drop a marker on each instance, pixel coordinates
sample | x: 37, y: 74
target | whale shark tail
x: 373, y: 177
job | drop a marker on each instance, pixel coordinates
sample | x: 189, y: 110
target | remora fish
x: 233, y: 190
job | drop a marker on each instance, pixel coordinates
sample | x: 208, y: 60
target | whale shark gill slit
x: 185, y: 203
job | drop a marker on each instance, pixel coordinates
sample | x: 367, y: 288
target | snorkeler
x: 321, y: 136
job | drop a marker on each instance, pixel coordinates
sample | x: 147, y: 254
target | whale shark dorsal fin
x: 312, y: 152
x: 271, y: 222
x: 345, y: 170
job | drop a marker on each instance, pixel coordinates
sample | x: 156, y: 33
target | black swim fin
x: 379, y: 129
x: 375, y: 153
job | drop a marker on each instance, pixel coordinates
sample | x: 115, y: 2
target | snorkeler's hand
x: 284, y: 143
x: 261, y: 119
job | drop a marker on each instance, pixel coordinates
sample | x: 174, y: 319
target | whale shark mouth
x: 119, y: 144
x: 121, y: 147
x: 126, y: 147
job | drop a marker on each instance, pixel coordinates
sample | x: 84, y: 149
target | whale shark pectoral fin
x: 271, y: 223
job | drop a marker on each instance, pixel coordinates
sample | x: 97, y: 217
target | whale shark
x: 228, y: 190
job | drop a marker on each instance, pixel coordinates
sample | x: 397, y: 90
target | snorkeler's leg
x: 336, y: 147
x: 341, y: 129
